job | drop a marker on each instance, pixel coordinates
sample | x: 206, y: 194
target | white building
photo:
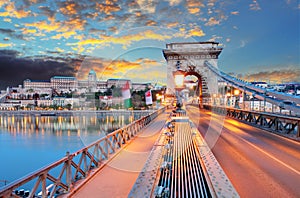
x: 63, y: 82
x: 36, y: 84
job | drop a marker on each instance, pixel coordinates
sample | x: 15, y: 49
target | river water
x: 31, y: 141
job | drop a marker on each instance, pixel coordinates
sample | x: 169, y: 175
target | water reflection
x: 31, y: 141
x: 81, y: 124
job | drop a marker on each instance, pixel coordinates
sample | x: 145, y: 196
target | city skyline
x: 124, y: 39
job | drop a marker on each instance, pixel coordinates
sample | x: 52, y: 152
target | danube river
x: 29, y: 141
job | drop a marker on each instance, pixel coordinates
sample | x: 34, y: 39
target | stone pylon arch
x: 190, y: 57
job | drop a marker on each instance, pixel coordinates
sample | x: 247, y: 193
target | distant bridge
x: 274, y: 97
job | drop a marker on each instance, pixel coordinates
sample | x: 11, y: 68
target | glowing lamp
x: 178, y: 78
x: 236, y: 92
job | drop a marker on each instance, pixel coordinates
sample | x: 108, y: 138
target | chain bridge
x: 212, y: 146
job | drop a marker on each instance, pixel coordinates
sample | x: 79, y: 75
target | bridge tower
x: 191, y: 57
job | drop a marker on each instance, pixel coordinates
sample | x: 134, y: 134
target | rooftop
x: 61, y: 77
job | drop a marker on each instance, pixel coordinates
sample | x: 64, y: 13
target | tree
x: 68, y: 106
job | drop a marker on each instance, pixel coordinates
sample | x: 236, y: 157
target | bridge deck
x: 118, y: 176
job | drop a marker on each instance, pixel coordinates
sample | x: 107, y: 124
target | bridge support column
x: 192, y: 58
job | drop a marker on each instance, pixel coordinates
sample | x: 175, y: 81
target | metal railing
x: 61, y: 176
x: 284, y: 125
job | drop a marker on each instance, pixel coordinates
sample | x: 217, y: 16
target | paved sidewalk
x: 119, y: 175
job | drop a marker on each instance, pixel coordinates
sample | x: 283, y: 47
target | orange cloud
x: 3, y: 2
x: 212, y: 21
x: 69, y: 9
x: 278, y: 76
x: 28, y: 31
x: 193, y: 10
x: 11, y: 11
x: 234, y: 12
x: 193, y: 6
x: 194, y: 3
x: 119, y: 68
x: 64, y: 29
x: 172, y: 24
x: 196, y: 32
x: 5, y: 44
x: 150, y: 23
x: 174, y: 2
x: 108, y: 7
x: 124, y: 40
x: 59, y: 50
x: 44, y: 26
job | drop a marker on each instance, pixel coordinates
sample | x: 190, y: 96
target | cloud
x: 172, y: 24
x: 11, y: 11
x: 31, y: 2
x: 278, y: 76
x: 147, y: 6
x: 195, y: 32
x: 3, y: 2
x: 124, y: 40
x: 28, y: 31
x: 150, y: 23
x: 44, y: 25
x: 14, y: 69
x: 174, y: 2
x: 11, y: 33
x: 69, y: 8
x: 235, y: 13
x: 59, y: 50
x: 194, y: 3
x: 67, y: 34
x: 8, y: 20
x: 215, y: 37
x: 64, y: 29
x: 254, y: 6
x: 107, y: 8
x: 96, y: 31
x: 243, y: 43
x: 193, y: 10
x: 5, y: 44
x: 193, y: 6
x: 46, y: 10
x: 119, y: 68
x: 211, y: 3
x: 212, y: 21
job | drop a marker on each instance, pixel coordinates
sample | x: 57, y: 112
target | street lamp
x: 179, y: 81
x: 236, y: 93
x: 228, y: 95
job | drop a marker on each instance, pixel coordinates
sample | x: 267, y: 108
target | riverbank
x: 71, y: 112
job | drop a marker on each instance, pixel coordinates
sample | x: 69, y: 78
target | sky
x: 124, y: 39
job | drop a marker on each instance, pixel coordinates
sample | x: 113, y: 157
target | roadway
x: 257, y: 162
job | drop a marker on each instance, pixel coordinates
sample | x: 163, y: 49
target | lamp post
x: 228, y: 95
x: 179, y: 81
x: 236, y: 93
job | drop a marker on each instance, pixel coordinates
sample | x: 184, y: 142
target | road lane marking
x: 269, y: 155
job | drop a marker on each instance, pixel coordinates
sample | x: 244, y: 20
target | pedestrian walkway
x: 118, y: 176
